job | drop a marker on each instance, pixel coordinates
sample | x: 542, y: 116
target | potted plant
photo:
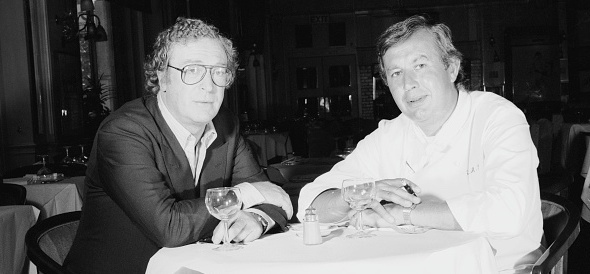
x: 95, y: 96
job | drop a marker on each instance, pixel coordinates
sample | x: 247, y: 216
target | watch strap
x: 407, y: 212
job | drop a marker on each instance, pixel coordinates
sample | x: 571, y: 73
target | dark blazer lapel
x: 215, y: 166
x: 179, y: 171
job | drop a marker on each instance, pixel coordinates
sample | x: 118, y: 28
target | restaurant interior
x: 306, y: 67
x: 307, y: 88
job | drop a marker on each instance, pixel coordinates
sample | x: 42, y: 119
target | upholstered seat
x: 49, y: 241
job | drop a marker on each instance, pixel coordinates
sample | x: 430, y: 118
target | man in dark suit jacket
x: 142, y: 190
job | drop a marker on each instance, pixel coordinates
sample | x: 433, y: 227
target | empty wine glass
x: 44, y: 170
x: 223, y: 203
x: 82, y: 158
x: 359, y: 193
x: 67, y: 159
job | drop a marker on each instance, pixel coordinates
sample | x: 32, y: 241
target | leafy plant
x: 95, y: 95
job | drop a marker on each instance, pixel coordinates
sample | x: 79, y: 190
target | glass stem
x: 225, y: 234
x: 359, y: 223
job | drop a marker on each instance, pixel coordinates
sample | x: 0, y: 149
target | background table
x: 49, y: 199
x: 267, y: 146
x: 293, y: 174
x: 53, y: 198
x: 435, y: 251
x: 15, y: 221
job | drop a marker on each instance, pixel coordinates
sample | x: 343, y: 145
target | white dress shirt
x: 196, y: 151
x: 487, y: 176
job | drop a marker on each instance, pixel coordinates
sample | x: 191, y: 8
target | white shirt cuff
x: 269, y: 220
x: 250, y: 195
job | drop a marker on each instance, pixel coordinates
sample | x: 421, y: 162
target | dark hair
x: 183, y: 31
x: 401, y: 31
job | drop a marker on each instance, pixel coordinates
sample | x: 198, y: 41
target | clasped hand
x: 390, y: 190
x: 244, y: 227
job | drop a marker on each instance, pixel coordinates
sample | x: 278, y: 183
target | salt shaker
x: 311, y: 228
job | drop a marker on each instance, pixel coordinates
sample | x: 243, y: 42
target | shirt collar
x: 180, y: 132
x: 451, y: 127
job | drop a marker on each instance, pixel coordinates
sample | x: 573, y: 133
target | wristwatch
x: 262, y: 221
x: 407, y: 211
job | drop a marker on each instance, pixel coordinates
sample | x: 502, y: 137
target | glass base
x: 361, y: 234
x: 228, y: 247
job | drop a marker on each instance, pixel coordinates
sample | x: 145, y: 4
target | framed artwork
x: 494, y: 75
x: 535, y: 73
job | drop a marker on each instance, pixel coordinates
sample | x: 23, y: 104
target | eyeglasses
x: 194, y: 73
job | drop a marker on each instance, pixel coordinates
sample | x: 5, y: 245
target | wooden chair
x: 49, y: 241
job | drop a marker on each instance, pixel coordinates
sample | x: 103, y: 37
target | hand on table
x: 244, y: 227
x: 275, y: 195
x: 392, y: 190
x: 372, y: 218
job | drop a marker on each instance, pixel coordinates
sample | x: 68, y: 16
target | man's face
x: 419, y: 83
x: 193, y: 105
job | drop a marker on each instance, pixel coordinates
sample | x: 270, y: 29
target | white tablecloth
x: 53, y: 198
x: 15, y: 221
x: 267, y: 146
x: 389, y: 252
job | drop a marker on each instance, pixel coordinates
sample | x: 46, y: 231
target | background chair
x: 49, y: 241
x: 561, y: 227
x: 12, y: 194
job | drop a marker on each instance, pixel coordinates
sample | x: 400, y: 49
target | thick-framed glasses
x: 194, y: 73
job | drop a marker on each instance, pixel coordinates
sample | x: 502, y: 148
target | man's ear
x: 453, y: 69
x: 162, y: 80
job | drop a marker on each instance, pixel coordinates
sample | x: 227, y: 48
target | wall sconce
x: 90, y: 30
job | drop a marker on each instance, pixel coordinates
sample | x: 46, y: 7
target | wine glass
x: 44, y: 170
x: 67, y: 159
x: 224, y: 203
x: 359, y: 193
x: 82, y: 158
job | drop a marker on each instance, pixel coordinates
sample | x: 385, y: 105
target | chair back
x: 49, y: 241
x: 561, y: 228
x: 12, y: 194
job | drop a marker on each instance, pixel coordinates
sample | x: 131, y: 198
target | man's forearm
x: 330, y: 207
x: 435, y: 214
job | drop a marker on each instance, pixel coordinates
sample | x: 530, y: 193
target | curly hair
x: 401, y: 31
x: 183, y: 31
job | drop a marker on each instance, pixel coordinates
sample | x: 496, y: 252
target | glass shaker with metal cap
x: 311, y: 228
